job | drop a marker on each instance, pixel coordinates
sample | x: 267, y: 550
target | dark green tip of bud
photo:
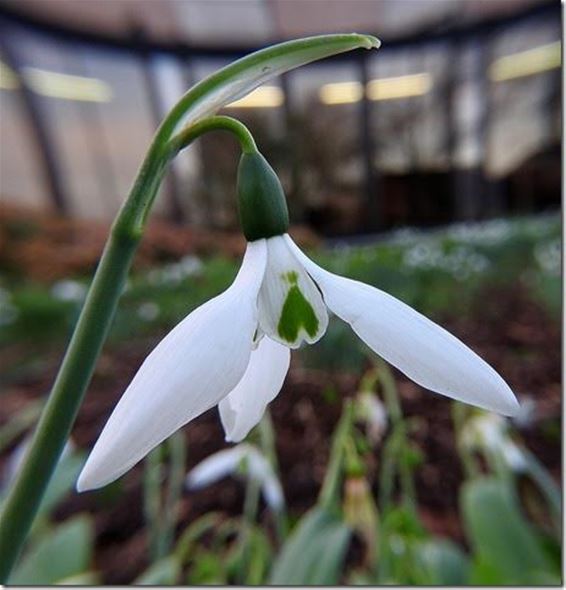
x: 261, y: 200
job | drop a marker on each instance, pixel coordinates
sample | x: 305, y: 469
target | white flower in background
x: 242, y: 460
x: 513, y: 456
x: 372, y: 411
x: 234, y: 351
x: 188, y: 266
x: 68, y: 290
x: 491, y: 232
x: 16, y: 458
x: 461, y: 262
x: 8, y: 311
x: 549, y: 256
x: 489, y: 432
x: 527, y: 413
x: 148, y: 311
x: 484, y: 431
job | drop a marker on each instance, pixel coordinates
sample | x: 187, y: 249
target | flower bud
x: 360, y: 512
x: 261, y: 200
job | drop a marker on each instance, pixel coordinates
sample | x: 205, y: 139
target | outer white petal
x: 287, y: 281
x: 197, y: 364
x: 244, y: 406
x: 215, y: 467
x: 421, y: 349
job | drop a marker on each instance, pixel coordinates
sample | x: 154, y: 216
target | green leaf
x: 64, y: 552
x: 443, y: 563
x: 164, y: 572
x: 314, y: 553
x: 19, y: 423
x: 504, y: 543
x: 208, y: 568
x: 260, y: 556
x: 62, y: 481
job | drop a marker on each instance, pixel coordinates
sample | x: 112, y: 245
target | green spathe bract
x: 261, y: 201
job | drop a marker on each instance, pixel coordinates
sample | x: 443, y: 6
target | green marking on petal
x: 292, y: 277
x: 297, y: 313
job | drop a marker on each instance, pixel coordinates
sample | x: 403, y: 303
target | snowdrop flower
x: 525, y: 417
x: 484, y: 431
x: 489, y: 432
x: 148, y: 311
x: 372, y: 411
x: 8, y: 311
x: 242, y: 459
x: 68, y: 290
x: 234, y: 350
x: 513, y: 456
x: 16, y: 458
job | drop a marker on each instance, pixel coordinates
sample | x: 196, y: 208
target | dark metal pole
x: 39, y: 127
x: 176, y: 213
x: 97, y: 144
x: 492, y: 202
x: 372, y: 207
x: 458, y: 179
x: 466, y: 182
x: 293, y: 148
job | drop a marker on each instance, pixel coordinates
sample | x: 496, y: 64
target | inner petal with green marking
x: 291, y: 309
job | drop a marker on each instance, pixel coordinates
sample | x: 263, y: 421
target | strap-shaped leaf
x: 64, y: 552
x: 314, y: 553
x: 506, y: 547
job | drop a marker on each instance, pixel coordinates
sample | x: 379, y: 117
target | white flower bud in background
x: 489, y: 433
x: 513, y: 456
x: 526, y: 415
x: 484, y: 431
x: 8, y: 312
x: 360, y: 512
x: 148, y: 311
x: 243, y: 460
x: 68, y: 290
x: 371, y: 410
x: 16, y: 459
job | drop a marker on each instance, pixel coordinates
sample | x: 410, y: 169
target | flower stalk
x: 75, y: 373
x: 267, y: 443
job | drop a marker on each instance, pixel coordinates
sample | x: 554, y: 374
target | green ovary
x: 297, y: 312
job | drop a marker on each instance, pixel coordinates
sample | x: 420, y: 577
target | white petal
x: 291, y: 308
x: 421, y: 349
x: 244, y: 406
x: 229, y: 461
x: 215, y: 467
x: 273, y: 492
x: 261, y: 470
x: 197, y: 364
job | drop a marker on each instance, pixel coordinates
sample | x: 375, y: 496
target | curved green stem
x: 200, y: 102
x: 217, y: 123
x: 76, y: 370
x: 330, y: 491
